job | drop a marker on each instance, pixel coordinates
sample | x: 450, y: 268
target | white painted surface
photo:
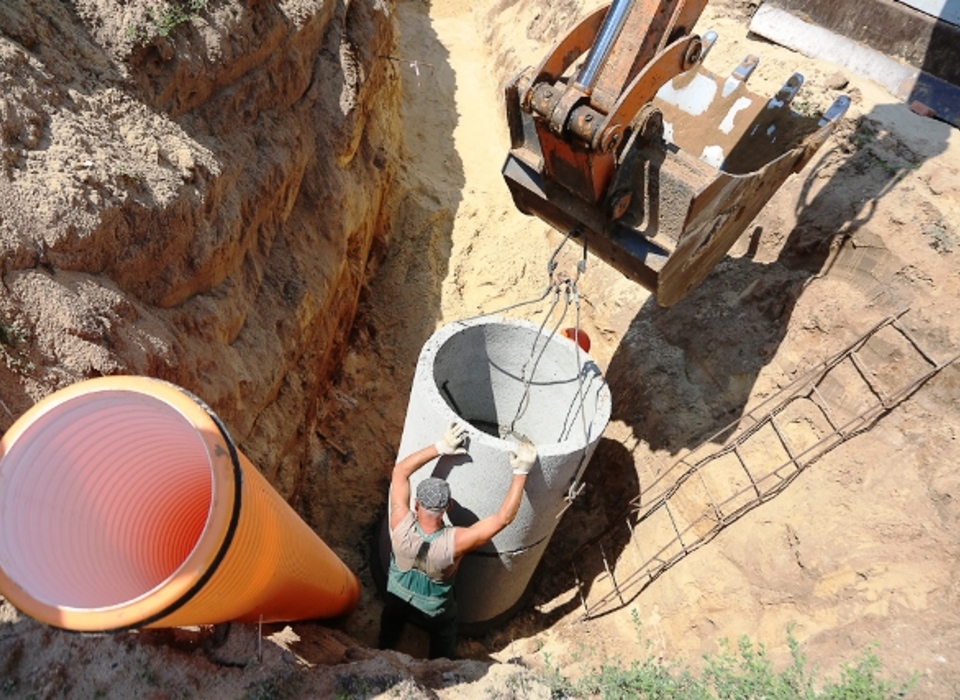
x: 817, y: 42
x: 694, y: 98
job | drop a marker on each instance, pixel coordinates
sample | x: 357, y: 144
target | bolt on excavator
x: 655, y: 162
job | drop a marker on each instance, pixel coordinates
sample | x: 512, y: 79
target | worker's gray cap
x: 433, y: 494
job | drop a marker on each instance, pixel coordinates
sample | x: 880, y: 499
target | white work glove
x: 523, y: 458
x: 452, y: 442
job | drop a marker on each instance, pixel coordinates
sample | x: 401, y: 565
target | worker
x: 426, y: 552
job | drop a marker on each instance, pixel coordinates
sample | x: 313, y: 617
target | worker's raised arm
x: 450, y: 443
x: 485, y: 529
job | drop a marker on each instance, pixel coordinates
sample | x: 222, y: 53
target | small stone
x: 837, y: 81
x: 185, y: 163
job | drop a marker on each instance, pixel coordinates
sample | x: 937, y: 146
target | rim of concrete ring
x: 600, y: 417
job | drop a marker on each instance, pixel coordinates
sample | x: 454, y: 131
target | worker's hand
x: 523, y: 458
x: 453, y: 441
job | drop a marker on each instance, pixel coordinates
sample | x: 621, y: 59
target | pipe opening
x: 103, y: 499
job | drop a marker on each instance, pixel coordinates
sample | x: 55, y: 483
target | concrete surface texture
x: 509, y: 380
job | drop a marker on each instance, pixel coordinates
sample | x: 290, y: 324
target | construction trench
x: 129, y: 506
x: 652, y: 443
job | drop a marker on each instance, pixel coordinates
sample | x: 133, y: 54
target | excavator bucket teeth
x: 684, y: 191
x: 753, y: 145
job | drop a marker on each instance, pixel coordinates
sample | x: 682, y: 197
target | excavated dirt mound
x: 858, y: 550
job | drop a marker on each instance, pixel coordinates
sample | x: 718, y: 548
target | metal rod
x: 651, y: 568
x: 711, y: 499
x: 676, y: 529
x: 746, y: 469
x: 916, y: 346
x: 783, y: 440
x: 583, y: 599
x: 864, y: 374
x: 824, y: 407
x: 606, y: 565
x: 609, y: 31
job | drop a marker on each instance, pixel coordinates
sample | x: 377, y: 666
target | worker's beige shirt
x: 407, y: 538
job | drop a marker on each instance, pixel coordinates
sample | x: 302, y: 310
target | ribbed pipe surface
x: 124, y: 503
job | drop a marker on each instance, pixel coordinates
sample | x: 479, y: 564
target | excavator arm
x: 658, y: 162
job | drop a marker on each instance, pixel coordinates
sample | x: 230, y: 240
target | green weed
x: 13, y: 340
x: 805, y: 109
x: 163, y: 20
x: 863, y: 135
x: 941, y: 238
x: 11, y: 335
x: 743, y: 673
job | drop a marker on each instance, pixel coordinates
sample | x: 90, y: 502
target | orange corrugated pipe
x: 124, y: 504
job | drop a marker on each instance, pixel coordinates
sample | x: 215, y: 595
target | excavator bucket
x: 665, y: 198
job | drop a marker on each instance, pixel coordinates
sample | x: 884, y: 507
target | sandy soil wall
x: 193, y: 201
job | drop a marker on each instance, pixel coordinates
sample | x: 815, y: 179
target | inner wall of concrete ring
x: 476, y: 371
